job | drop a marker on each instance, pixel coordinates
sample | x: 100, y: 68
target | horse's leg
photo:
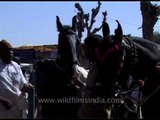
x: 108, y: 111
x: 38, y: 112
x: 139, y: 116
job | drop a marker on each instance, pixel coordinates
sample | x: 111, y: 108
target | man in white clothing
x: 12, y: 85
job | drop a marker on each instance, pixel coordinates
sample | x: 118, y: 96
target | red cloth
x: 141, y: 83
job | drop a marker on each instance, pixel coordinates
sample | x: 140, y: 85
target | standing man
x: 12, y: 85
x: 90, y: 110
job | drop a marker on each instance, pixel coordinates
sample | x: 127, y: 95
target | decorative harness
x: 132, y: 52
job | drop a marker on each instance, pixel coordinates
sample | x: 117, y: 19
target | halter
x: 60, y: 63
x: 67, y: 32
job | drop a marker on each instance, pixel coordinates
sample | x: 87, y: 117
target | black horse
x: 54, y: 82
x: 118, y: 58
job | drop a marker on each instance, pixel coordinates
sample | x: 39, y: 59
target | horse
x: 120, y: 58
x: 55, y: 78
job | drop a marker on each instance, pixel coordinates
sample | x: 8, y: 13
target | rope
x: 149, y: 96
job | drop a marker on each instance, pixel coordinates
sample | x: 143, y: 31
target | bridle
x: 60, y: 61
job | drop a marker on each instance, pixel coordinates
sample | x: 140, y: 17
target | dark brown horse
x: 120, y: 58
x: 56, y: 86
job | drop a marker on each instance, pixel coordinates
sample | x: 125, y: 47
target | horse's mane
x: 148, y: 47
x: 154, y: 47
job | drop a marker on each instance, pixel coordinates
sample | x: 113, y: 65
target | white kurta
x: 11, y: 81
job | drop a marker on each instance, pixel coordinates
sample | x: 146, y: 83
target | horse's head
x: 68, y: 45
x: 109, y: 55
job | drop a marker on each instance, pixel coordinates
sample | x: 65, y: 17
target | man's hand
x: 141, y: 83
x: 27, y: 87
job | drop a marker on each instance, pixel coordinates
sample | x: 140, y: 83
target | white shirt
x: 82, y: 71
x: 11, y: 83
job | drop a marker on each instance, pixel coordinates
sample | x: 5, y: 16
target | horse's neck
x: 144, y: 62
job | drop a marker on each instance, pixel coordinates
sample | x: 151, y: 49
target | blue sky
x: 34, y: 23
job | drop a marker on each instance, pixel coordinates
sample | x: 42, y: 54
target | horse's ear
x: 105, y: 29
x: 74, y: 23
x: 59, y: 24
x: 118, y: 32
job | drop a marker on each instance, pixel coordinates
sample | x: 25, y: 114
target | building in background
x: 28, y: 54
